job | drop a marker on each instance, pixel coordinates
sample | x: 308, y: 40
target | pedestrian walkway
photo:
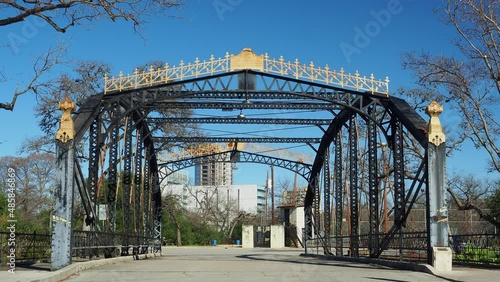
x: 226, y: 263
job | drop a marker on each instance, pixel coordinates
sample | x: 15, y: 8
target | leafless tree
x: 471, y: 193
x: 62, y: 15
x: 215, y: 206
x: 467, y: 84
x: 34, y: 179
x: 42, y: 65
x: 470, y: 83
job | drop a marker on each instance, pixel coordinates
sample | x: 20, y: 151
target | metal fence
x: 89, y: 244
x: 468, y: 249
x: 405, y: 246
x: 476, y: 249
x: 26, y: 247
x: 33, y: 247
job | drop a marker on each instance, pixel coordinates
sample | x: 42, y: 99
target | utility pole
x: 267, y: 197
x: 272, y: 195
x: 295, y: 185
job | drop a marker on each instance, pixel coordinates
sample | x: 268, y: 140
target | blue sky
x: 368, y: 36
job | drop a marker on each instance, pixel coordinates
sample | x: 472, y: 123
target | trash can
x: 214, y: 243
x: 237, y: 242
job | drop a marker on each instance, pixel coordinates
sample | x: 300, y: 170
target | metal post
x: 156, y: 202
x: 317, y: 208
x: 63, y: 194
x: 93, y: 177
x: 307, y: 234
x: 146, y: 201
x: 437, y: 216
x: 138, y: 185
x: 112, y: 177
x: 399, y: 184
x: 127, y: 181
x: 373, y: 187
x: 326, y: 200
x: 339, y: 192
x: 353, y: 185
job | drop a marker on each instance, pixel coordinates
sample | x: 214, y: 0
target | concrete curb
x: 77, y: 267
x: 388, y: 263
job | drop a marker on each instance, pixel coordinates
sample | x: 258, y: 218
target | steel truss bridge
x: 376, y: 158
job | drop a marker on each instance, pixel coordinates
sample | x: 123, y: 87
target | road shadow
x: 311, y: 262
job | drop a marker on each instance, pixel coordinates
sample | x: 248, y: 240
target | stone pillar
x: 63, y: 194
x: 277, y: 236
x: 437, y: 197
x: 247, y: 236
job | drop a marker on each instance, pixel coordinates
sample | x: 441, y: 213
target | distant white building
x: 249, y: 198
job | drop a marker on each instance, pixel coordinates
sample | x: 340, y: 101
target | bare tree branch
x: 61, y: 15
x: 467, y: 192
x: 41, y: 66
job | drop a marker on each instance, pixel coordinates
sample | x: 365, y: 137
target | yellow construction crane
x: 211, y: 148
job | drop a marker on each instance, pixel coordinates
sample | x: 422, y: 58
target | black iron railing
x: 27, y: 247
x: 88, y: 243
x: 410, y: 246
x: 33, y: 247
x: 476, y: 249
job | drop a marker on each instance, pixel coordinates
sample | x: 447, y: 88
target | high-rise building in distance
x: 213, y: 173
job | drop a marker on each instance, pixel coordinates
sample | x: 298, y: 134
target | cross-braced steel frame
x: 124, y: 140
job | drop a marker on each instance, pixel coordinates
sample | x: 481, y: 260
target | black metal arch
x: 103, y: 116
x: 239, y: 156
x: 397, y: 114
x: 220, y: 86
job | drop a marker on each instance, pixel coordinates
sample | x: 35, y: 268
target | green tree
x: 493, y: 203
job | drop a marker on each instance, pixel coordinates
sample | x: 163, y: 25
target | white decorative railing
x: 246, y: 59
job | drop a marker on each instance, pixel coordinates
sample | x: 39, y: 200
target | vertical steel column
x: 317, y: 207
x: 63, y: 205
x: 156, y: 202
x: 147, y: 225
x: 138, y: 184
x: 339, y: 194
x: 327, y: 198
x: 112, y: 176
x: 94, y: 150
x: 437, y: 197
x: 373, y: 192
x: 307, y: 234
x: 353, y: 185
x: 127, y: 180
x: 399, y: 185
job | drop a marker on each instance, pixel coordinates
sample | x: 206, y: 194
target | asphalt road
x: 235, y: 264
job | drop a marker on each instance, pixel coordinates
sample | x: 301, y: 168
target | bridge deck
x: 228, y: 263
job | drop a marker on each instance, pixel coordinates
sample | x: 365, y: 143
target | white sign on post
x: 102, y: 213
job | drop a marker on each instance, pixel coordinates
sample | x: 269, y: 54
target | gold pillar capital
x: 66, y: 131
x: 435, y: 131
